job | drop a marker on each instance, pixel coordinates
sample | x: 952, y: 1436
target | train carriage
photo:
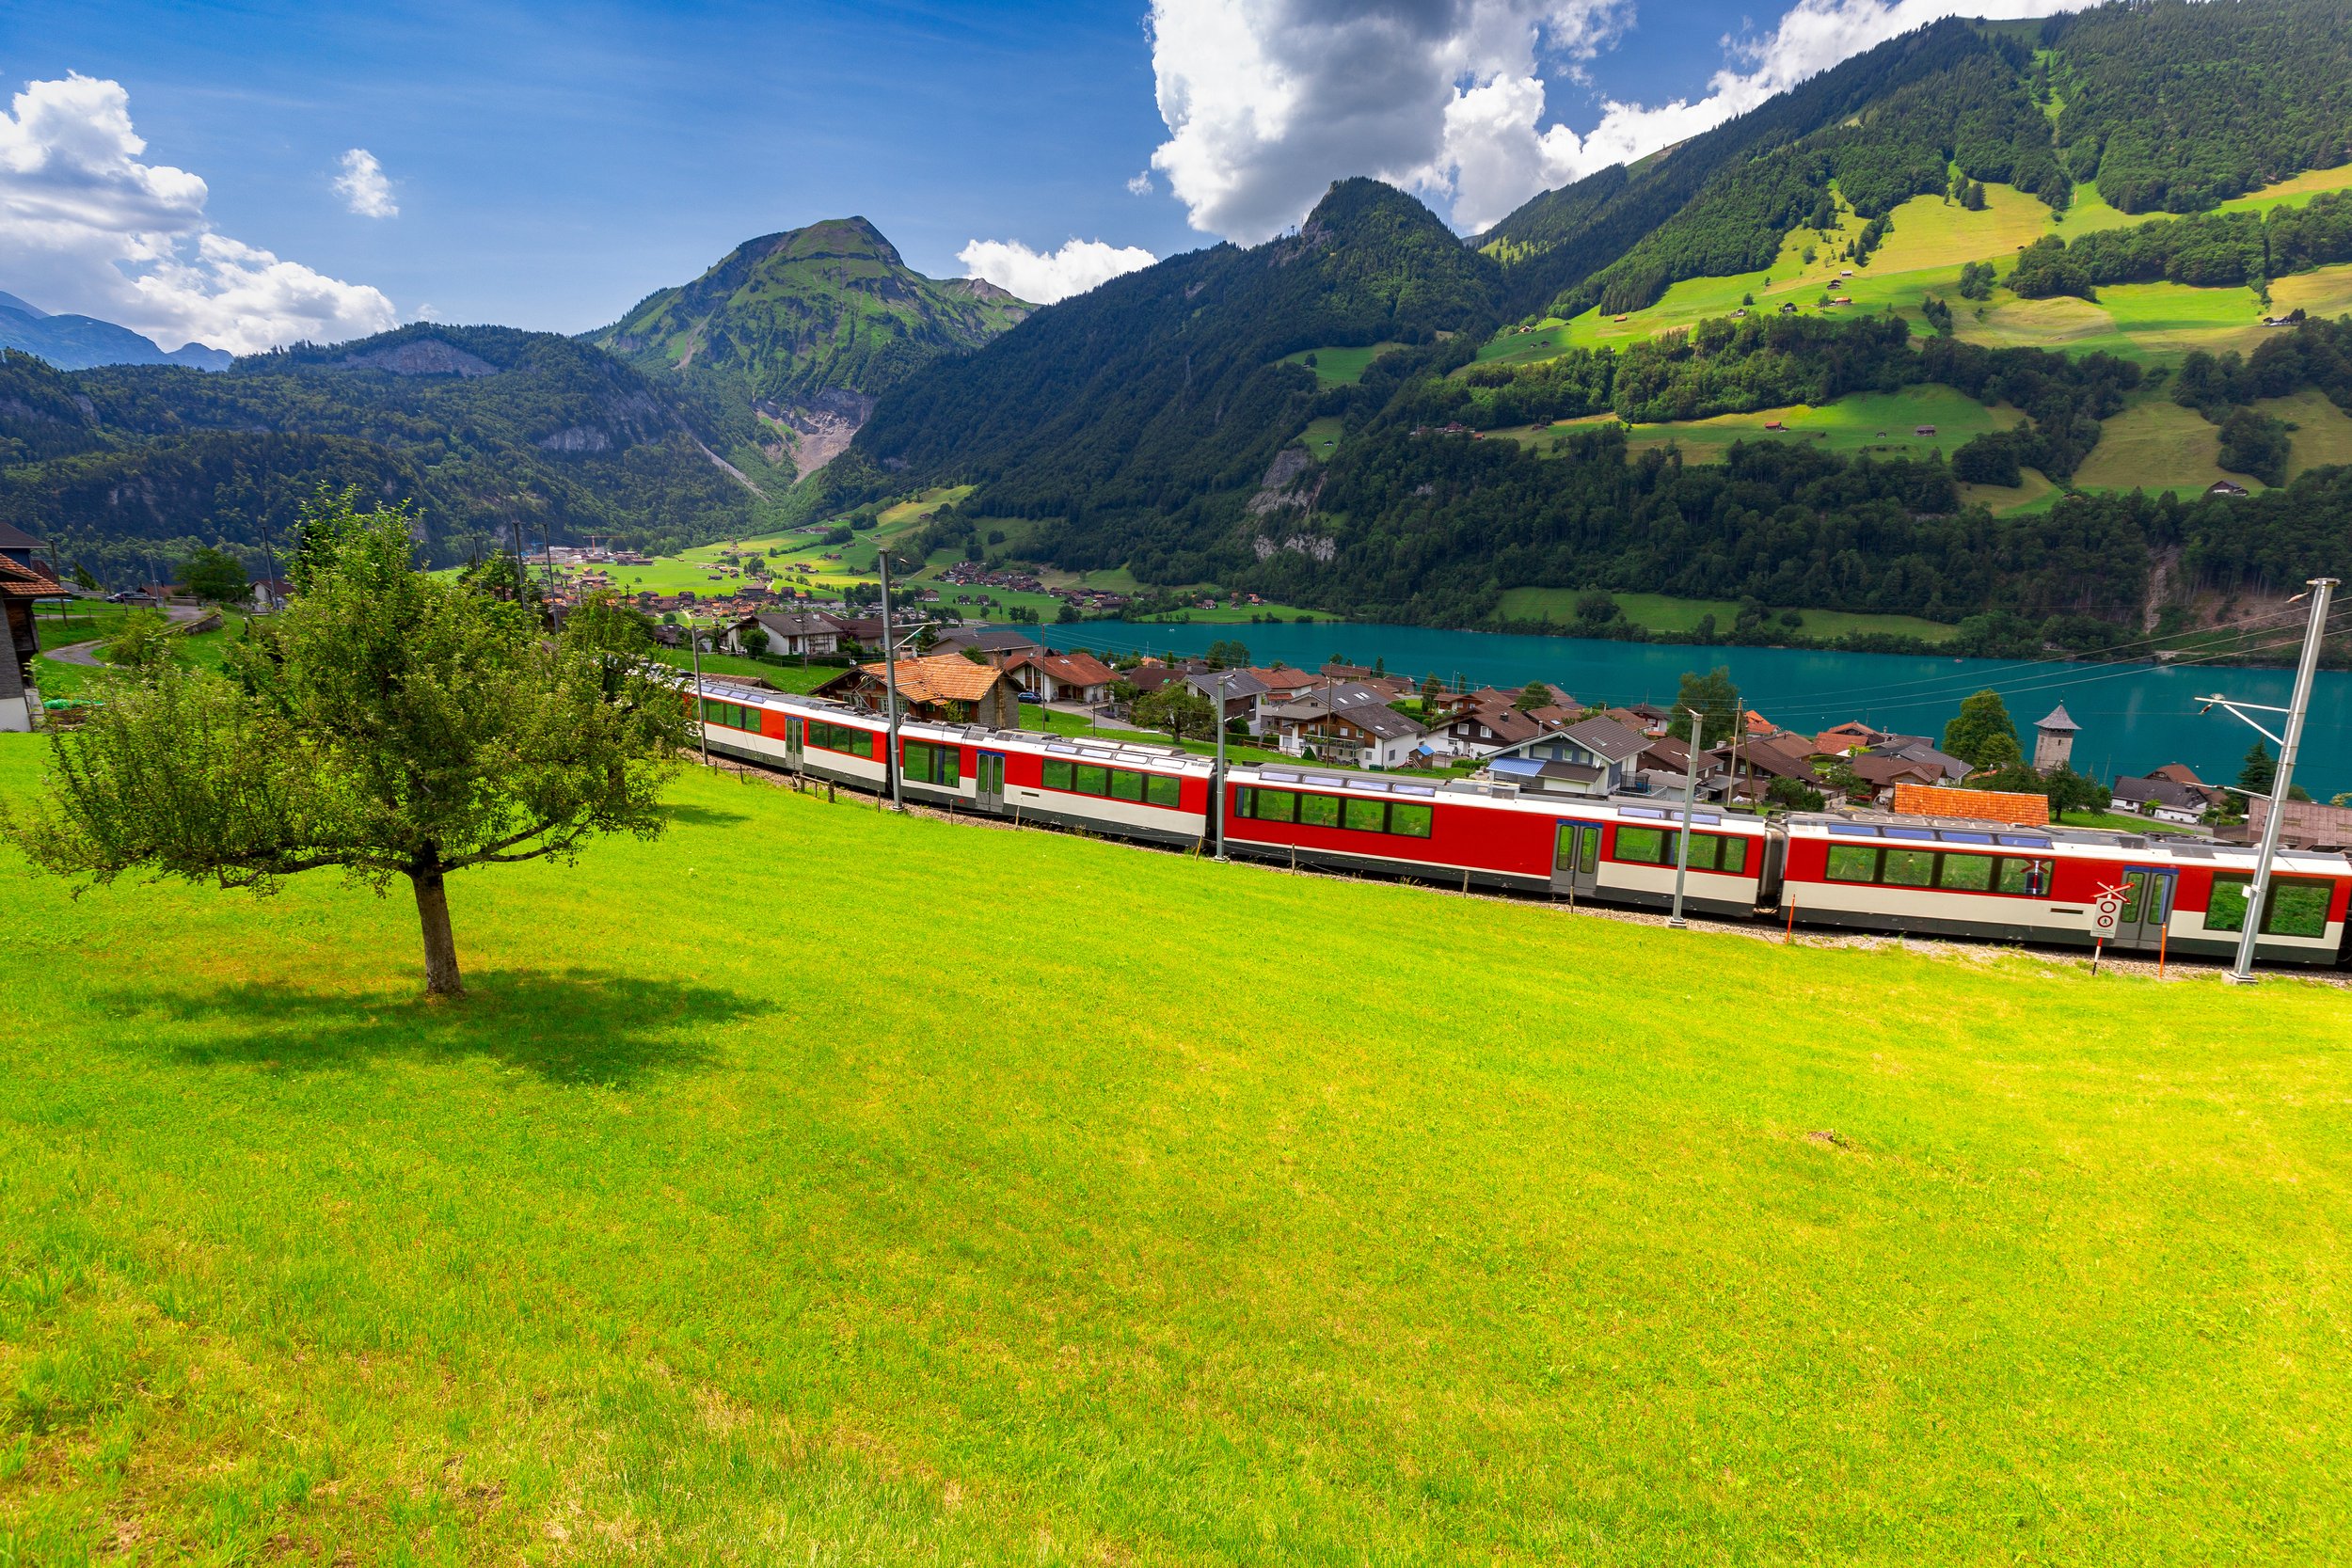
x: 1466, y: 834
x: 2044, y: 886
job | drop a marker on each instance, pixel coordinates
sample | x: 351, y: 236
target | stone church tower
x: 2054, y: 741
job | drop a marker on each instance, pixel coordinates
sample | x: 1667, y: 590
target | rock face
x: 805, y: 329
x: 422, y: 357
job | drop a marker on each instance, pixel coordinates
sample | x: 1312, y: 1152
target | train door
x: 1576, y: 858
x: 2147, y: 905
x: 793, y: 741
x: 989, y: 782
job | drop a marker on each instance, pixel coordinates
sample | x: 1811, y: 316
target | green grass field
x: 1340, y: 366
x: 1930, y: 239
x: 1336, y: 1222
x: 1882, y: 423
x: 1661, y: 613
x: 205, y: 651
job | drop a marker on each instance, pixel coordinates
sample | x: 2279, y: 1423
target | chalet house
x: 2181, y: 773
x: 2226, y: 487
x: 1078, y: 677
x: 1244, y: 694
x: 1649, y: 718
x: 1844, y: 739
x: 946, y: 689
x: 993, y: 644
x: 1597, y: 756
x: 23, y: 582
x: 2160, y: 799
x: 1150, y: 677
x: 1479, y: 731
x: 1918, y: 748
x: 1883, y: 773
x: 789, y: 634
x: 1285, y: 684
x: 2303, y: 824
x: 1348, y: 723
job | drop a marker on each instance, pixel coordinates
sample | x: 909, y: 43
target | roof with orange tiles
x: 942, y: 677
x: 1983, y: 805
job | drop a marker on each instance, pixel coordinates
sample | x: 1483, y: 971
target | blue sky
x: 552, y: 164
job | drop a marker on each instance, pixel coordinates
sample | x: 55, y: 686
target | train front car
x: 2046, y: 886
x: 1474, y: 834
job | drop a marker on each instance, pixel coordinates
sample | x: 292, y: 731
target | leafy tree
x: 143, y: 642
x: 1982, y: 732
x: 1716, y: 699
x: 1597, y: 606
x: 1432, y: 689
x: 2260, y: 771
x: 215, y: 577
x: 1975, y: 280
x: 1227, y: 654
x: 82, y: 577
x: 1176, y: 708
x: 1795, y: 796
x: 390, y: 723
x: 754, y: 639
x: 2256, y: 444
x: 1534, y: 695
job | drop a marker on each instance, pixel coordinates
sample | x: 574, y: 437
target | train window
x: 2298, y: 907
x: 2028, y: 879
x: 928, y: 764
x: 1057, y: 774
x: 1732, y: 855
x: 1368, y: 816
x: 1126, y: 784
x: 1159, y: 789
x: 1852, y: 862
x: 1413, y: 821
x: 1092, y: 780
x: 1319, y: 810
x: 1641, y: 846
x: 841, y: 737
x: 1966, y: 873
x: 1909, y: 868
x: 735, y: 716
x: 919, y: 762
x: 1273, y: 805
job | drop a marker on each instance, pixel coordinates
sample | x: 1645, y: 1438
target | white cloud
x: 1266, y: 102
x: 87, y: 227
x: 364, y: 187
x: 1139, y: 184
x: 1042, y: 278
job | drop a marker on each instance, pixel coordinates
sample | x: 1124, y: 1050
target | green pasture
x: 1929, y: 239
x: 1663, y: 613
x: 55, y: 678
x: 757, y: 1207
x: 1883, y: 424
x: 1322, y: 435
x: 2155, y: 445
x: 1340, y: 366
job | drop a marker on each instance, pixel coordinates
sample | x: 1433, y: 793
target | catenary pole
x: 2283, y: 778
x: 1217, y: 780
x: 1690, y: 803
x: 702, y: 726
x: 890, y: 682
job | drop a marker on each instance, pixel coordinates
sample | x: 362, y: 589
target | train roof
x: 2156, y: 847
x: 1078, y: 747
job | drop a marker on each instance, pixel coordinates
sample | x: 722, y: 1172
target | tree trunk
x: 440, y: 945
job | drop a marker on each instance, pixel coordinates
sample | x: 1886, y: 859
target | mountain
x: 805, y: 329
x: 77, y: 342
x: 1280, y: 419
x: 485, y: 428
x: 1133, y: 421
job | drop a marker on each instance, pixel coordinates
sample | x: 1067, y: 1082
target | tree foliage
x: 1982, y: 732
x: 1715, y: 698
x: 387, y: 723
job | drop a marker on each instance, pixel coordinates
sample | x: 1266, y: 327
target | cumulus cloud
x: 364, y: 187
x: 1139, y: 184
x: 1042, y: 278
x: 1266, y: 102
x: 86, y: 226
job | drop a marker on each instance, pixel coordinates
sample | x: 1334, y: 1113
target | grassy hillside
x: 1661, y: 612
x: 705, y: 1235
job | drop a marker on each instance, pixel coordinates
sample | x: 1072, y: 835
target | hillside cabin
x: 2226, y: 487
x: 946, y: 689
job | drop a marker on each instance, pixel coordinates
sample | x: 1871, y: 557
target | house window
x: 2297, y: 906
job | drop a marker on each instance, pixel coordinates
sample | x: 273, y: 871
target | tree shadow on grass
x: 703, y: 816
x: 577, y: 1026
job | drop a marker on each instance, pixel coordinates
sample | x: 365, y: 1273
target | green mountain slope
x: 486, y: 428
x: 1133, y: 420
x: 807, y: 328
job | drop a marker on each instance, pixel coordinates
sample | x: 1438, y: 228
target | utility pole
x: 694, y: 642
x: 1690, y: 803
x: 1217, y: 780
x: 890, y: 682
x: 2299, y: 706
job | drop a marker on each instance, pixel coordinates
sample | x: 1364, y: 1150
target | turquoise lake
x: 2134, y: 717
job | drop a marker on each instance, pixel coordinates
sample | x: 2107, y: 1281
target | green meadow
x: 1336, y: 366
x: 756, y: 1206
x: 1663, y: 613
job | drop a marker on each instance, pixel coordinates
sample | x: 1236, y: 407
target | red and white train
x: 1870, y: 873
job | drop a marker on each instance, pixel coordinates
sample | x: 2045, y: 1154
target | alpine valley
x: 2033, y: 327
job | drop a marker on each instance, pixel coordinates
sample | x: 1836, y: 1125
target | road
x: 86, y: 654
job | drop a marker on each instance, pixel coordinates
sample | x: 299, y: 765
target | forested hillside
x: 804, y: 329
x: 486, y: 428
x: 1125, y: 419
x: 1278, y: 418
